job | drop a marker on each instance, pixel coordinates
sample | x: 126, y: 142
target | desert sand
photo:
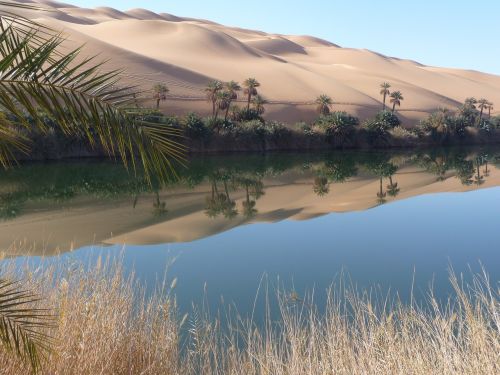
x: 186, y: 53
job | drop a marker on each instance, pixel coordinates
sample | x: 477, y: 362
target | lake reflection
x: 386, y: 219
x: 52, y: 208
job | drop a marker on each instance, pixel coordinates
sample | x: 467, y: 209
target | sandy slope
x: 187, y: 53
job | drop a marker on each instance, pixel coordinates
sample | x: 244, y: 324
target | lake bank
x: 51, y: 147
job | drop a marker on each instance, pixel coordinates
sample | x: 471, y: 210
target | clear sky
x: 451, y: 33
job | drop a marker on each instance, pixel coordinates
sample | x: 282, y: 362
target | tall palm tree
x: 39, y: 77
x: 160, y: 92
x: 258, y: 104
x: 222, y: 100
x: 324, y: 102
x: 321, y: 186
x: 232, y: 89
x: 248, y: 205
x: 471, y: 102
x: 490, y: 108
x: 250, y: 85
x: 381, y: 194
x: 392, y: 188
x: 159, y: 207
x: 396, y: 99
x: 211, y: 91
x: 482, y: 105
x: 23, y: 326
x: 478, y: 177
x: 385, y: 86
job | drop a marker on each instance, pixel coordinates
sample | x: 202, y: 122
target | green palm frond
x: 23, y: 327
x: 82, y: 99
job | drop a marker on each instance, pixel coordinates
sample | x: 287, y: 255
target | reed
x: 108, y: 324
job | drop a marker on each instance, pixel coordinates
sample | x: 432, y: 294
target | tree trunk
x: 393, y: 107
x: 158, y: 103
x: 216, y: 114
x: 226, y: 190
x: 385, y: 95
x: 227, y: 111
x: 249, y: 98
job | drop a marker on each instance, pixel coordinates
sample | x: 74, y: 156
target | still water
x: 395, y: 220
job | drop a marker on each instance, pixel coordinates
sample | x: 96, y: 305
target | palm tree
x: 160, y: 92
x: 381, y: 194
x: 324, y: 102
x: 392, y: 188
x: 385, y: 86
x: 23, y: 326
x: 470, y: 102
x: 483, y: 104
x: 250, y: 85
x: 478, y: 177
x: 39, y: 77
x: 211, y: 91
x: 396, y: 98
x: 222, y: 101
x: 321, y: 186
x: 490, y: 108
x: 248, y: 204
x: 258, y: 104
x: 159, y: 207
x: 232, y: 89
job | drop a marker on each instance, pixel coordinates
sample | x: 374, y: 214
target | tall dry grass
x: 107, y: 325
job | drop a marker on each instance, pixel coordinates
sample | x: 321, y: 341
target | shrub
x: 214, y: 124
x: 377, y: 132
x: 305, y: 128
x: 441, y: 125
x: 244, y: 114
x: 277, y: 131
x: 339, y: 127
x: 388, y: 118
x: 263, y: 131
x: 403, y: 135
x: 495, y: 122
x: 195, y: 128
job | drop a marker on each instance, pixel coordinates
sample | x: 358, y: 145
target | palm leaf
x: 81, y: 99
x: 23, y: 327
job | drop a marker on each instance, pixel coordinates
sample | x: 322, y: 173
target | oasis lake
x: 394, y: 220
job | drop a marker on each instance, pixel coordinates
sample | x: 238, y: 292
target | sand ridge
x: 186, y: 53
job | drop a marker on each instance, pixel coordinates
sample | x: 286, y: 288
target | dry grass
x: 106, y: 325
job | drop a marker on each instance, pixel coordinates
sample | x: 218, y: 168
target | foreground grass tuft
x: 107, y: 325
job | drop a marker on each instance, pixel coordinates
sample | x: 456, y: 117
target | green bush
x: 388, y: 118
x: 262, y: 131
x: 244, y: 115
x: 195, y: 128
x: 377, y: 132
x: 495, y: 122
x: 339, y: 127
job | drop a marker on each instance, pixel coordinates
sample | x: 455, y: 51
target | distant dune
x: 186, y: 53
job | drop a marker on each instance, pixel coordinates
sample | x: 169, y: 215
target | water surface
x: 299, y: 220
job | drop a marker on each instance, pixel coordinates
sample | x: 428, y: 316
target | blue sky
x: 451, y: 33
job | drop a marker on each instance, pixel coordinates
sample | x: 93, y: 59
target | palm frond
x: 82, y: 99
x: 23, y: 327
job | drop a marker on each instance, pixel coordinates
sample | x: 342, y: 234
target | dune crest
x: 292, y: 69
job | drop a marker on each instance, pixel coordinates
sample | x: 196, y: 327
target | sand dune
x: 186, y: 53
